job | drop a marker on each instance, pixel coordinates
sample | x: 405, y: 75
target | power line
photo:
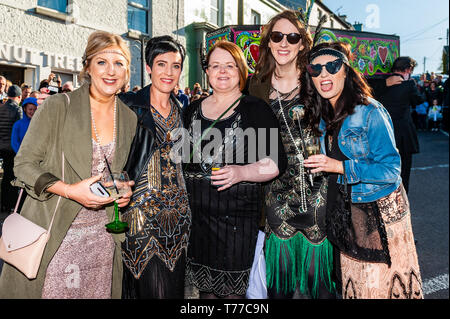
x: 415, y: 34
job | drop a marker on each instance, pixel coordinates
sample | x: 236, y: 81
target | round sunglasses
x: 292, y: 38
x: 332, y: 67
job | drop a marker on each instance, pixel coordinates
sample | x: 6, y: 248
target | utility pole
x: 447, y: 53
x: 424, y: 63
x: 240, y: 19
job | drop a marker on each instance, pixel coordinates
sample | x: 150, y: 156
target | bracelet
x: 65, y: 191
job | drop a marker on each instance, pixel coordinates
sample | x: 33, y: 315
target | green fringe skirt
x: 288, y: 262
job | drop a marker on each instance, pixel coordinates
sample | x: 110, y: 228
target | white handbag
x: 23, y: 242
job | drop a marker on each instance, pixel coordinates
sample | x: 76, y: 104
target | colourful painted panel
x: 373, y: 53
x: 246, y: 37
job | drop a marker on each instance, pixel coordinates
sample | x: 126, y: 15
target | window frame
x: 63, y: 12
x: 219, y: 11
x: 140, y: 7
x: 255, y: 14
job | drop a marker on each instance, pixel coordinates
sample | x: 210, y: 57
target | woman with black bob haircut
x: 368, y: 216
x: 159, y: 218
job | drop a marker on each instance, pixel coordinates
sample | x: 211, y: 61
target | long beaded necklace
x: 101, y: 164
x: 300, y: 157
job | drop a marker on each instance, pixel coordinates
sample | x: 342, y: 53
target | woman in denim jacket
x: 372, y: 227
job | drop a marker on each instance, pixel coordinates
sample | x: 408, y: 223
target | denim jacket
x: 366, y: 138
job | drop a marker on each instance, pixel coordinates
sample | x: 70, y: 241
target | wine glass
x: 117, y: 184
x: 312, y: 147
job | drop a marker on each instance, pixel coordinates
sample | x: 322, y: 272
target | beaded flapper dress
x: 82, y: 266
x: 159, y: 220
x: 298, y: 253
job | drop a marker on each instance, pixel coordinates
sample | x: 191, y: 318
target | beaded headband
x: 84, y: 59
x: 328, y: 51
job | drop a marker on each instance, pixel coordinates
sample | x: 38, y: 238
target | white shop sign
x: 23, y: 55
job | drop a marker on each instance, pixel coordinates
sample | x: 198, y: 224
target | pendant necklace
x: 101, y: 164
x: 300, y: 158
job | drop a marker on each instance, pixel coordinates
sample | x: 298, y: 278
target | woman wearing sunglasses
x: 373, y: 231
x: 298, y: 254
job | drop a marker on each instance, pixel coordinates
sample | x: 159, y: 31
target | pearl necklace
x: 300, y: 158
x: 101, y: 164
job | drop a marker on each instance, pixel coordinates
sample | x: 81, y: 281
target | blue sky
x: 419, y: 24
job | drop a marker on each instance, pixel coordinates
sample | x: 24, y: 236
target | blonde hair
x: 238, y: 57
x: 98, y: 41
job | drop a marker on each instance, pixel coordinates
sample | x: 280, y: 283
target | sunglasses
x: 292, y: 38
x: 332, y: 67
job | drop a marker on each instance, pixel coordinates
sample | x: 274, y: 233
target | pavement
x: 429, y: 204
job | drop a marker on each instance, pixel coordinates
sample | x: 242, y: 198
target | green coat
x: 55, y: 128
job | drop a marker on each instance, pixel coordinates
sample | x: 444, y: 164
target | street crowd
x: 326, y: 214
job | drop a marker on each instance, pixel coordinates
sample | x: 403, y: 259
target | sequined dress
x: 298, y: 253
x: 159, y: 220
x: 82, y: 266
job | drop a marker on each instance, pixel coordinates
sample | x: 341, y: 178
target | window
x: 58, y: 5
x: 256, y: 17
x: 138, y: 11
x: 216, y: 13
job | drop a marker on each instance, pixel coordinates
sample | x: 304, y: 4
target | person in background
x: 398, y: 99
x: 26, y: 91
x: 67, y: 87
x: 3, y: 91
x: 435, y: 116
x: 422, y: 112
x: 89, y: 126
x: 29, y: 106
x: 197, y: 89
x: 187, y: 92
x: 183, y: 98
x: 35, y: 94
x: 373, y: 232
x: 19, y: 129
x: 9, y: 114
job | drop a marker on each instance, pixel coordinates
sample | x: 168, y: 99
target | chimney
x: 343, y: 17
x: 358, y: 26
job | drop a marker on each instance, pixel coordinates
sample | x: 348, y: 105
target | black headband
x: 328, y: 51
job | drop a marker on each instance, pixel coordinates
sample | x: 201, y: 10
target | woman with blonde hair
x: 86, y: 127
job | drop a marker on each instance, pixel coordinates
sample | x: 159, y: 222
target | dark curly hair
x: 356, y: 91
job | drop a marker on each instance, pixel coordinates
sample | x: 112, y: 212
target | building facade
x: 39, y: 37
x: 202, y: 16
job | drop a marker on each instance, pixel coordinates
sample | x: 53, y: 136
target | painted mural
x: 246, y: 37
x: 373, y: 53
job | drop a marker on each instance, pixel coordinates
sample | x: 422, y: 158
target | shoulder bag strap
x: 212, y: 125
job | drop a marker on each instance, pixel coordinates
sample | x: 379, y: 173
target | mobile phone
x: 99, y: 190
